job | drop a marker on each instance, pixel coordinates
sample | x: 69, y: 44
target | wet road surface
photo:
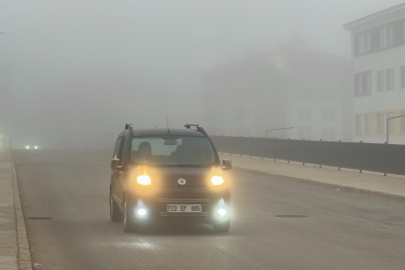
x: 277, y: 224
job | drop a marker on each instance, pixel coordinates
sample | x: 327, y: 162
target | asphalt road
x: 336, y: 230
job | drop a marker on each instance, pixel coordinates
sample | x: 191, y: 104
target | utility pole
x: 388, y: 129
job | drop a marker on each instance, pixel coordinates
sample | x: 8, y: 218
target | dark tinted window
x: 172, y: 151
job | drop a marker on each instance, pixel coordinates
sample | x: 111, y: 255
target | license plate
x: 184, y: 208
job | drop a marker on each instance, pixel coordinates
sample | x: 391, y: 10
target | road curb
x: 334, y: 186
x: 24, y: 255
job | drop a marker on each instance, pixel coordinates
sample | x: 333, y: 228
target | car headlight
x: 217, y: 180
x: 143, y: 180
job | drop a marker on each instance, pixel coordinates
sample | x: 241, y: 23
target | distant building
x: 378, y: 54
x: 307, y: 91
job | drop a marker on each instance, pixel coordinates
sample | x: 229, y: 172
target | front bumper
x: 156, y: 205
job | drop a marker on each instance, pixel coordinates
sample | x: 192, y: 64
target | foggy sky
x: 83, y: 61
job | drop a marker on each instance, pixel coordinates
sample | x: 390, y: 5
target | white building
x: 378, y: 61
x: 306, y: 91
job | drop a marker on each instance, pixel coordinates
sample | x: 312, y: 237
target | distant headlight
x: 36, y: 147
x: 27, y: 147
x: 143, y: 180
x: 217, y: 180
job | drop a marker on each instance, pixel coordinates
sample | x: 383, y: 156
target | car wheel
x: 129, y: 225
x: 222, y: 227
x: 115, y: 211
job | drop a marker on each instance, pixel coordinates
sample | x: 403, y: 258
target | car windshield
x: 172, y: 151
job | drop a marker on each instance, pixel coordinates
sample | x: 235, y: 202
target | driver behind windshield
x: 144, y: 153
x: 170, y: 150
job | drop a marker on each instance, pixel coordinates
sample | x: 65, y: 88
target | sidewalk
x: 14, y: 250
x: 390, y: 186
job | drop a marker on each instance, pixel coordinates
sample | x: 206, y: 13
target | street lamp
x: 388, y: 129
x: 274, y: 129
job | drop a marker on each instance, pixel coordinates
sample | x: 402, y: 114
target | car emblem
x: 181, y: 181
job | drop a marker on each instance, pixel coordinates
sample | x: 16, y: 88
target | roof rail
x: 198, y: 128
x: 130, y: 128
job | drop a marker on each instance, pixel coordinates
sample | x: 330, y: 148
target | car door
x: 117, y: 174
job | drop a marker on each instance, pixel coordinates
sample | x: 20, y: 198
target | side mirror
x: 115, y: 164
x: 226, y: 164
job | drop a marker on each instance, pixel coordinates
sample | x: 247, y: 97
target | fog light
x: 36, y: 147
x: 141, y: 212
x: 221, y: 212
x: 27, y: 147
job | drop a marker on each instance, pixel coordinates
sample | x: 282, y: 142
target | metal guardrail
x: 385, y: 158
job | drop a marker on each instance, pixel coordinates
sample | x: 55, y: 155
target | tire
x: 222, y: 227
x: 115, y: 211
x: 129, y: 225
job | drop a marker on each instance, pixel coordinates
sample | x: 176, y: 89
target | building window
x: 363, y: 124
x: 403, y: 122
x: 390, y: 37
x: 359, y: 124
x: 380, y: 80
x: 380, y: 123
x: 367, y: 124
x: 368, y: 82
x: 363, y: 83
x: 383, y: 33
x: 368, y: 42
x: 390, y: 79
x: 403, y: 31
x: 402, y: 77
x: 361, y: 43
x: 359, y: 85
x: 391, y: 124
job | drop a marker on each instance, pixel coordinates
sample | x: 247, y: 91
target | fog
x: 71, y: 70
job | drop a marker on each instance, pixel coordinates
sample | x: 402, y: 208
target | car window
x: 172, y: 150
